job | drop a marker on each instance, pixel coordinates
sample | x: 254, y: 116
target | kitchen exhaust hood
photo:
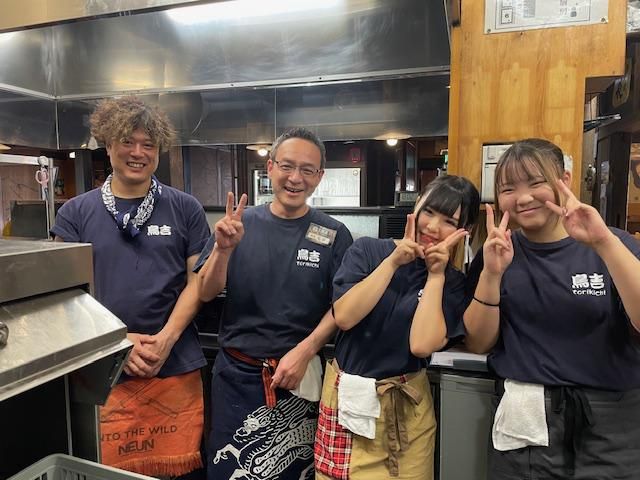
x: 228, y: 73
x: 21, y: 14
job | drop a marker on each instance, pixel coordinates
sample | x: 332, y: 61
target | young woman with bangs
x: 395, y: 302
x: 554, y: 296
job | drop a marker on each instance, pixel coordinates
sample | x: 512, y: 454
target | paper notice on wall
x: 512, y: 15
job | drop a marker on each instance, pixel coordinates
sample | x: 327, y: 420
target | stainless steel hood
x: 346, y: 62
x: 55, y: 326
x: 19, y: 14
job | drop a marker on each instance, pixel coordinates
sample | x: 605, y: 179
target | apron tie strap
x: 268, y: 369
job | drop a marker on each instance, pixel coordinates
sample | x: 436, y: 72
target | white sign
x: 513, y: 15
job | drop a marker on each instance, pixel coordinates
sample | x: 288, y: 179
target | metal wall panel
x: 409, y: 107
x: 25, y: 60
x: 399, y: 107
x: 338, y: 39
x: 232, y: 116
x: 73, y: 122
x: 200, y: 118
x: 25, y: 120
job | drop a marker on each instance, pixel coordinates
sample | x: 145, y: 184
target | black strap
x: 577, y: 415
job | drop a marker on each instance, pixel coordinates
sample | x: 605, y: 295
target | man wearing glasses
x: 277, y: 262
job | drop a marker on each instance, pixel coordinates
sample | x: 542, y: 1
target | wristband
x: 486, y: 303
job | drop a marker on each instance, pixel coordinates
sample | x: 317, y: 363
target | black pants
x: 599, y: 440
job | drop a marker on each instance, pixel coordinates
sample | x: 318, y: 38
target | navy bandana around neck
x: 129, y: 225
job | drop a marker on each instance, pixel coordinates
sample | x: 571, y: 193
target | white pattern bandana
x: 131, y: 226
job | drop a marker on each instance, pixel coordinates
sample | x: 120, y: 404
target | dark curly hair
x: 117, y: 118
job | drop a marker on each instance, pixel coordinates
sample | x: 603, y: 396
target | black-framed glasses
x: 305, y: 171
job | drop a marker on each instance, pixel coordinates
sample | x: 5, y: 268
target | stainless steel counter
x: 33, y: 267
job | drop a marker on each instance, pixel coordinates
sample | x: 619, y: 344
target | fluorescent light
x: 242, y: 9
x: 392, y: 142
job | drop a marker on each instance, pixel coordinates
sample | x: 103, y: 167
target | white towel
x: 310, y: 386
x: 520, y: 419
x: 358, y: 404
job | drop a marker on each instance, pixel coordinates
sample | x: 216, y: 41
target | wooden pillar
x: 513, y: 85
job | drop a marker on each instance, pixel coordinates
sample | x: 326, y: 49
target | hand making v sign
x: 497, y: 250
x: 581, y: 221
x: 437, y: 256
x: 229, y: 229
x: 407, y: 249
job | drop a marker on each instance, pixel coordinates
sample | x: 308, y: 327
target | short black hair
x: 448, y: 192
x: 304, y: 134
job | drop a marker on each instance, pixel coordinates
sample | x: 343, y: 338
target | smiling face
x: 291, y: 189
x: 433, y: 227
x: 134, y: 159
x: 523, y: 186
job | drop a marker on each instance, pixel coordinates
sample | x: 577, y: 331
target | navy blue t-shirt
x: 378, y: 346
x: 140, y: 279
x: 278, y: 280
x: 562, y: 321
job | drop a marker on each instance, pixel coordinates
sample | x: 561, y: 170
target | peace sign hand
x: 497, y: 250
x: 229, y: 229
x: 437, y: 256
x: 407, y: 249
x: 581, y: 221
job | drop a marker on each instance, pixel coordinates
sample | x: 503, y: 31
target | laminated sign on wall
x: 512, y: 15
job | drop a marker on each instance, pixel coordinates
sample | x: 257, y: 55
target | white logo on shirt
x: 306, y: 258
x: 585, y: 284
x: 153, y: 230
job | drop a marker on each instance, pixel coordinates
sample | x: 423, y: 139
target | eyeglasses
x: 305, y: 171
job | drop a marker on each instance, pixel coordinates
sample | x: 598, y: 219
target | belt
x: 268, y: 369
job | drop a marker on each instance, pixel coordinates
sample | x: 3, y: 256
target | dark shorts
x: 605, y: 446
x: 249, y: 440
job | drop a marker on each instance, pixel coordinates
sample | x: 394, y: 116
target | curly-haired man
x: 146, y: 238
